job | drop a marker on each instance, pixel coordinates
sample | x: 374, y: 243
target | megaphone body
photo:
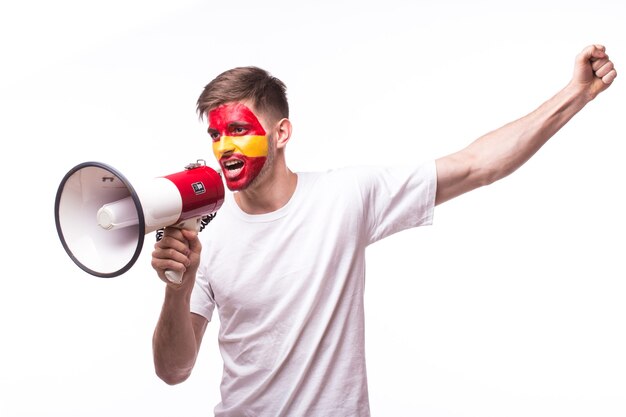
x: 101, y: 218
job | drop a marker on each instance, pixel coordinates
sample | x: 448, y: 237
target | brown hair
x: 268, y: 93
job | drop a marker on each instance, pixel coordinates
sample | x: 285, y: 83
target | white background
x: 512, y: 304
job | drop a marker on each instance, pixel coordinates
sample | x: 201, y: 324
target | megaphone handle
x: 176, y: 277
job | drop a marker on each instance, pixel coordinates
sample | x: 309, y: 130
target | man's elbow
x: 486, y: 176
x: 489, y: 175
x: 173, y: 377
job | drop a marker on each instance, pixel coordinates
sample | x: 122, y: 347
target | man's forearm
x: 502, y: 151
x: 174, y: 342
x: 498, y: 153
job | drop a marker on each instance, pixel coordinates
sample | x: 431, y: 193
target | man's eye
x: 239, y: 130
x: 215, y: 136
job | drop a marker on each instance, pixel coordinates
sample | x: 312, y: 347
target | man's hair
x: 267, y: 93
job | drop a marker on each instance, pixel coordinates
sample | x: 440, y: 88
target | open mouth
x: 240, y: 170
x: 233, y: 165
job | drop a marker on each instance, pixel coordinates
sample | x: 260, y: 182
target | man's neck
x: 270, y: 194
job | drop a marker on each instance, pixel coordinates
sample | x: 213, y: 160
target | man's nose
x: 224, y: 146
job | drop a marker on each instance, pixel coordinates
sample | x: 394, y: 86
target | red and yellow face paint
x: 240, y: 143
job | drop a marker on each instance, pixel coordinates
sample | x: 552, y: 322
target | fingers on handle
x: 192, y: 238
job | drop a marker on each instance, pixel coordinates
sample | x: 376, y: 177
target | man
x: 283, y: 261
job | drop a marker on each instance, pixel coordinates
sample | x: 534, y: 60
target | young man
x: 283, y: 261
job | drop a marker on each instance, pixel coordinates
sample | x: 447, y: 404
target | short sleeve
x: 397, y: 198
x: 202, y: 301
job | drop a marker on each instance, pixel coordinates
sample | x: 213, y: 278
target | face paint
x: 240, y: 144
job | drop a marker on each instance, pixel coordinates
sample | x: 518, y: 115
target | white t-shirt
x: 289, y: 288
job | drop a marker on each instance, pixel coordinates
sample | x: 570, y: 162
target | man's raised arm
x: 500, y: 152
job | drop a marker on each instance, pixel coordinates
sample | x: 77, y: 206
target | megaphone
x: 102, y: 219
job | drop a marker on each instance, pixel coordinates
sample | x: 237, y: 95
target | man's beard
x: 267, y: 166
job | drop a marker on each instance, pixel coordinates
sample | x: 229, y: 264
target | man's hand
x: 593, y: 71
x: 178, y: 250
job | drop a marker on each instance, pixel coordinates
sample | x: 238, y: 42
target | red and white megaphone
x: 102, y: 219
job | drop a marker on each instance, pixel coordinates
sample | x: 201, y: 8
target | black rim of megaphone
x: 134, y: 196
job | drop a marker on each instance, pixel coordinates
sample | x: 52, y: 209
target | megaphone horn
x: 101, y: 218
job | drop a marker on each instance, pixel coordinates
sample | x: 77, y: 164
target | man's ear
x: 283, y: 133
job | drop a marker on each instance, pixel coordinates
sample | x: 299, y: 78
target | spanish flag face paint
x: 240, y: 143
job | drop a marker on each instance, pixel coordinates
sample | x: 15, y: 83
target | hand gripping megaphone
x: 101, y: 218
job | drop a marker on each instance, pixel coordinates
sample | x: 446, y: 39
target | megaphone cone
x: 101, y: 218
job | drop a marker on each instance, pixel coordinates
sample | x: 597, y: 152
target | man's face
x: 240, y: 143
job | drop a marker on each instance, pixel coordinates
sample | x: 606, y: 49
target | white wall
x: 512, y: 304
